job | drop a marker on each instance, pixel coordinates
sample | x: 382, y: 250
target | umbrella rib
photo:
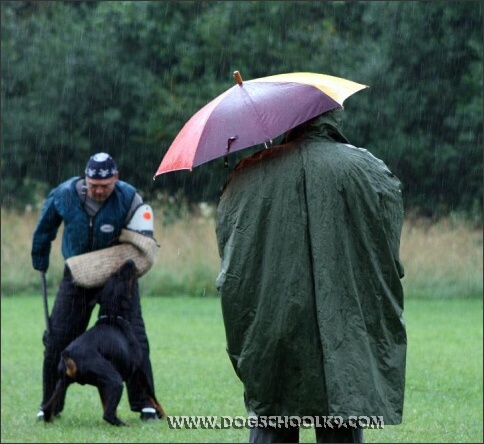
x: 257, y: 112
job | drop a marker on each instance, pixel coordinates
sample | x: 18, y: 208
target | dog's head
x: 116, y: 293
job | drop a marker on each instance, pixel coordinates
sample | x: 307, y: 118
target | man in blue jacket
x: 94, y: 210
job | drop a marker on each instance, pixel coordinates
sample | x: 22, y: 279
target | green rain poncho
x: 308, y: 235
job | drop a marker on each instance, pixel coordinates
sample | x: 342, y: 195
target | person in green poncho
x: 310, y: 283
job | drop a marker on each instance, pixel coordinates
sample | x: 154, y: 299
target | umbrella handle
x: 230, y: 141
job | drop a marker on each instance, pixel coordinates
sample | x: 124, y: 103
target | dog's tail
x: 50, y: 407
x: 67, y: 373
x: 157, y: 406
x: 143, y: 384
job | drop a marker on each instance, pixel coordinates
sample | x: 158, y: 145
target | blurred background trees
x: 123, y: 77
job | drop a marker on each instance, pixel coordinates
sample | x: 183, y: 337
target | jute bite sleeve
x: 93, y: 269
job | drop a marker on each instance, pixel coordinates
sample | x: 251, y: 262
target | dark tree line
x: 123, y: 77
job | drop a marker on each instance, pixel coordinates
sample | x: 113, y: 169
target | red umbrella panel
x: 254, y: 112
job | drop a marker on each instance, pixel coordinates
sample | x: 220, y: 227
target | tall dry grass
x: 442, y: 260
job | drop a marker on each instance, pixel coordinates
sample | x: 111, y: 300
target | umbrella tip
x: 238, y: 77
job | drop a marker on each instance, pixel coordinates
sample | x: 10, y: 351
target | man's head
x: 101, y: 176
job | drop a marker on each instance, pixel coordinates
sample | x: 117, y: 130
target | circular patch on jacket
x: 107, y: 228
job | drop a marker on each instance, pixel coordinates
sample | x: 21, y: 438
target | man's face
x: 100, y: 189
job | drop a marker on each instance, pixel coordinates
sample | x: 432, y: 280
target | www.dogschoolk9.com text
x: 240, y: 422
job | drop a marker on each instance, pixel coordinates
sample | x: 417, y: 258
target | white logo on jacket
x: 106, y: 228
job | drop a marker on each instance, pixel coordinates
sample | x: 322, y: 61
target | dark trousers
x: 70, y: 317
x: 291, y: 435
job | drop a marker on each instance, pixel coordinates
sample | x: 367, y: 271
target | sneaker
x: 149, y: 414
x: 40, y: 415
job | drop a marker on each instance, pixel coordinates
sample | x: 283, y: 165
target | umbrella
x: 254, y: 112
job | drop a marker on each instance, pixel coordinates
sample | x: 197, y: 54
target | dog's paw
x: 115, y: 421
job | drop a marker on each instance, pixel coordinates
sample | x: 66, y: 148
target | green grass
x: 193, y: 376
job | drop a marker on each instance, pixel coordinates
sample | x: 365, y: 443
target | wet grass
x: 193, y: 376
x: 443, y: 288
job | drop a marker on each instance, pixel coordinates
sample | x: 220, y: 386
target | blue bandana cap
x: 101, y: 166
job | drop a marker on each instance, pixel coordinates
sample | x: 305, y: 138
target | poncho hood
x: 326, y: 126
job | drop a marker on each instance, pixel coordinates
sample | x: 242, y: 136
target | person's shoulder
x: 369, y: 155
x: 68, y: 184
x: 126, y: 189
x: 371, y: 161
x: 63, y: 191
x: 124, y: 185
x: 361, y: 151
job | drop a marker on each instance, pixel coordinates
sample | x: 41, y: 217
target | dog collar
x: 113, y: 318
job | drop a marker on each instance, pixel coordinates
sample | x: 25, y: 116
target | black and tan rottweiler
x: 107, y: 354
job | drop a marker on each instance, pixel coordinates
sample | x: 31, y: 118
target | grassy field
x: 443, y: 311
x: 193, y: 376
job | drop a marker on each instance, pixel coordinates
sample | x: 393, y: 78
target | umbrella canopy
x: 253, y: 112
